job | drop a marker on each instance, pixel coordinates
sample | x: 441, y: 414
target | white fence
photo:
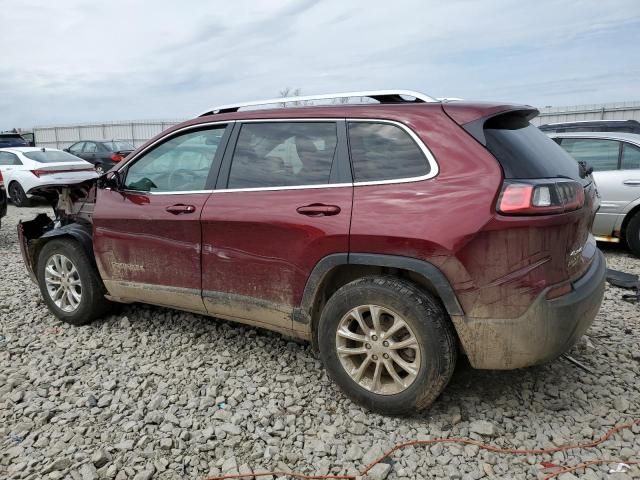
x: 134, y: 132
x: 606, y: 111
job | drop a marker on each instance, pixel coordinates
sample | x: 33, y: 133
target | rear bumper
x: 546, y: 330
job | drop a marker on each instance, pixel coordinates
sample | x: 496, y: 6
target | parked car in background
x: 389, y: 235
x: 3, y: 199
x: 621, y: 126
x: 615, y: 159
x: 102, y: 154
x: 24, y: 168
x: 8, y: 139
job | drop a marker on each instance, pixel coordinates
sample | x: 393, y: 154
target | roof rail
x: 382, y: 96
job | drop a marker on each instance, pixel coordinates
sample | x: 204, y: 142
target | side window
x: 630, y: 157
x: 9, y: 159
x: 381, y: 151
x: 180, y: 164
x: 76, y: 148
x: 602, y: 155
x: 90, y: 147
x: 282, y: 154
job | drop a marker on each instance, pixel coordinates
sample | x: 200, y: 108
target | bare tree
x: 291, y: 92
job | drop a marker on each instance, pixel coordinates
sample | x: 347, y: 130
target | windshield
x: 51, y: 156
x: 118, y: 146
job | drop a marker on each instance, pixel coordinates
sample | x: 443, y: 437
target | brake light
x: 540, y: 197
x: 116, y: 157
x: 40, y: 173
x: 1, y: 180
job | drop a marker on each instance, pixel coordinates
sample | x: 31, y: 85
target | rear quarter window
x: 381, y: 151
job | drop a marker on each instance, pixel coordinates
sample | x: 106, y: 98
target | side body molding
x: 420, y: 267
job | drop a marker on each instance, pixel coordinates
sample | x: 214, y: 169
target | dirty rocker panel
x: 181, y: 298
x: 250, y: 311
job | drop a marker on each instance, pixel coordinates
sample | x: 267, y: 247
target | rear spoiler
x: 473, y: 116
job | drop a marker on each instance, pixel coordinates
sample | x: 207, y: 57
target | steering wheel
x: 181, y: 176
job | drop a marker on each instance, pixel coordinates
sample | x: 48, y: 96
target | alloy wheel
x: 378, y: 349
x: 16, y: 194
x: 63, y: 282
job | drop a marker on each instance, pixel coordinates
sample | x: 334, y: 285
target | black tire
x: 431, y: 327
x: 92, y: 304
x: 99, y: 168
x: 632, y: 235
x: 17, y: 195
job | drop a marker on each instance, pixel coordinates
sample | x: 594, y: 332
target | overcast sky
x: 85, y: 61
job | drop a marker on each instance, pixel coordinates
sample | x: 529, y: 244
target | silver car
x: 615, y: 159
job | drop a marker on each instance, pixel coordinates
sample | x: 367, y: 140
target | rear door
x: 147, y: 236
x: 282, y: 204
x: 603, y: 156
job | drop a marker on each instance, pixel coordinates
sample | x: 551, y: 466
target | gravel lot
x: 155, y: 393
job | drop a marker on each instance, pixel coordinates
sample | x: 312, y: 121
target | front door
x: 147, y: 235
x: 283, y: 203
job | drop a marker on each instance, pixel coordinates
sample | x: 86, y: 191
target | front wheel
x: 17, y: 195
x: 99, y: 169
x: 69, y: 283
x: 633, y: 234
x: 387, y: 344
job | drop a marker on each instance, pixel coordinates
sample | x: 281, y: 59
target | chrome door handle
x: 633, y: 183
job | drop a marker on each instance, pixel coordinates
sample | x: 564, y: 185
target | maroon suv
x: 392, y: 235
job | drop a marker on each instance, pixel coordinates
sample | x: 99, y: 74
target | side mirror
x: 112, y: 180
x: 66, y: 150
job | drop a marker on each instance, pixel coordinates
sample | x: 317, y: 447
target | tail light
x: 1, y: 180
x: 540, y: 197
x: 116, y: 157
x: 40, y: 173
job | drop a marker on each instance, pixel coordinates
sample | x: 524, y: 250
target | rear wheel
x: 99, y: 168
x: 69, y: 283
x: 633, y: 234
x: 17, y: 195
x: 387, y: 344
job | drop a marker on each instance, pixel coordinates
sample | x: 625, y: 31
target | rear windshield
x: 118, y: 146
x: 51, y: 156
x: 526, y: 152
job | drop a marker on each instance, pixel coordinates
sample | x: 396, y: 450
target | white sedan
x: 24, y: 168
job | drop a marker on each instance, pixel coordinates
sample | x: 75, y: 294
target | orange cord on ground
x: 464, y: 441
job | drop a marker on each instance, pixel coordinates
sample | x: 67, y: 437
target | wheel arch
x: 335, y: 271
x: 77, y: 231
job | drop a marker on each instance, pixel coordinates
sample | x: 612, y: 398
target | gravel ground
x: 155, y: 393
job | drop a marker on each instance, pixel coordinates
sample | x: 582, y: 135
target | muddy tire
x: 389, y: 345
x: 69, y: 283
x: 17, y: 195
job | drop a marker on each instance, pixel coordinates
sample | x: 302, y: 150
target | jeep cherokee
x: 392, y: 235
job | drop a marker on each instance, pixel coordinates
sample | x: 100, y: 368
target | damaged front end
x: 73, y: 211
